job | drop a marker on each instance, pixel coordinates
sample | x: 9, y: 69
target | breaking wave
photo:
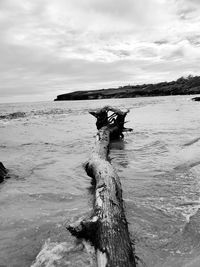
x: 40, y: 113
x: 14, y: 115
x: 59, y: 254
x: 51, y: 254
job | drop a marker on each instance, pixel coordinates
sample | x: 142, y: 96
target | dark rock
x: 196, y: 98
x: 3, y: 172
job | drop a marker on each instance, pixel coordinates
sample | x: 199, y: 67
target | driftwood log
x: 107, y: 228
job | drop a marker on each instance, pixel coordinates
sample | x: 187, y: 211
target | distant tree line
x: 182, y: 86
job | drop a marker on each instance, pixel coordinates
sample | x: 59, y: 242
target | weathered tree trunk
x: 107, y: 228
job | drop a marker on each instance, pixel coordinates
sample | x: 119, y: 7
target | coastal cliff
x: 182, y: 86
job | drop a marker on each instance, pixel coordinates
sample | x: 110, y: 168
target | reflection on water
x: 117, y: 154
x: 44, y: 145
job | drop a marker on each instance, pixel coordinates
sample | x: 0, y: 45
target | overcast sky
x: 50, y: 47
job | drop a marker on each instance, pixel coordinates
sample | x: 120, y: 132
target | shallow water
x: 44, y: 145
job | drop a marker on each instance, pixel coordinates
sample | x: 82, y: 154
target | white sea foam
x: 50, y: 254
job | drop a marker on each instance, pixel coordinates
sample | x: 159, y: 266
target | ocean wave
x: 193, y: 263
x: 59, y: 254
x: 186, y: 166
x: 51, y: 254
x: 54, y: 111
x: 191, y: 231
x: 193, y: 141
x: 37, y: 113
x: 14, y: 115
x: 39, y: 144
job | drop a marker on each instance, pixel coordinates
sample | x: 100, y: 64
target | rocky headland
x: 196, y: 98
x: 183, y: 86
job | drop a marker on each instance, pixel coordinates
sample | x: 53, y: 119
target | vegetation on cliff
x: 182, y: 86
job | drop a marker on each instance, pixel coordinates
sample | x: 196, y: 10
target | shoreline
x: 182, y: 86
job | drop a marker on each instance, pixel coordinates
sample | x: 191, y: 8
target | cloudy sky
x: 50, y: 47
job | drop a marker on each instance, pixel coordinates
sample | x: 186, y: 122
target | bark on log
x: 107, y: 229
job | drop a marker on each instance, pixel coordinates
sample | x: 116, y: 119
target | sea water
x: 45, y: 145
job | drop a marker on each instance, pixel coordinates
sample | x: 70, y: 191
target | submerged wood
x: 107, y: 228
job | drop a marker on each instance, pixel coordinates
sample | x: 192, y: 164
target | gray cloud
x: 49, y: 47
x: 194, y: 39
x: 161, y: 42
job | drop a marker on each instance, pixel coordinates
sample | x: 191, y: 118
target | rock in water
x: 3, y: 172
x: 196, y: 98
